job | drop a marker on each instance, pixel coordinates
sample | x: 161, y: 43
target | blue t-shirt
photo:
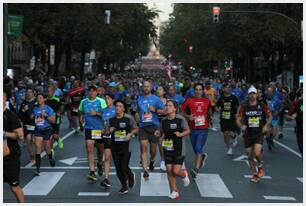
x: 146, y: 117
x: 274, y: 105
x: 237, y: 92
x: 92, y: 122
x: 108, y: 113
x: 178, y: 98
x: 58, y: 92
x: 19, y: 97
x: 189, y: 93
x: 40, y: 121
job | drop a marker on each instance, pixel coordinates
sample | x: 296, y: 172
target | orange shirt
x: 211, y: 94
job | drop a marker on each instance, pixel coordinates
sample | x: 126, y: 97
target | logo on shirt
x: 173, y: 126
x: 122, y: 125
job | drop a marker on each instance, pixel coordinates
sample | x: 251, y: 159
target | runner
x: 149, y: 106
x: 174, y: 129
x: 172, y: 95
x: 250, y: 119
x: 91, y: 112
x: 227, y: 106
x: 107, y: 113
x: 12, y: 132
x: 122, y: 128
x: 211, y: 94
x: 198, y: 110
x: 44, y: 118
x: 25, y: 112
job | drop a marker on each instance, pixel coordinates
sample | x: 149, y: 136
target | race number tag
x: 96, y: 134
x: 168, y: 145
x: 120, y: 136
x: 226, y: 115
x: 39, y: 121
x: 147, y: 117
x: 75, y: 109
x: 199, y: 121
x: 253, y: 122
x: 30, y: 127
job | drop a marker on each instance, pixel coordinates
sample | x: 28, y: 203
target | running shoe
x: 52, y: 162
x: 163, y: 166
x: 255, y: 178
x: 260, y: 172
x: 60, y: 143
x: 100, y: 169
x: 132, y: 180
x: 186, y: 179
x: 105, y: 183
x: 174, y: 195
x: 214, y: 129
x: 124, y: 190
x: 91, y: 176
x: 146, y: 175
x: 194, y: 172
x: 230, y: 151
x: 151, y: 167
x: 37, y: 173
x: 280, y: 136
x: 204, y: 157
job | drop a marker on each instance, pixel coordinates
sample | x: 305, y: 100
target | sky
x: 165, y: 9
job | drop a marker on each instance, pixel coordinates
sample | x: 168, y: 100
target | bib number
x: 120, y: 136
x: 75, y: 110
x: 39, y: 121
x: 226, y: 115
x: 253, y: 122
x: 147, y: 117
x: 30, y: 127
x: 199, y: 121
x: 168, y: 145
x: 96, y: 134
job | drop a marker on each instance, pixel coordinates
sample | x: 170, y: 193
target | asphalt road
x: 222, y: 180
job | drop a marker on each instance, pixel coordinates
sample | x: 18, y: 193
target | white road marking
x: 54, y: 145
x: 77, y: 168
x: 288, y: 148
x: 69, y: 161
x: 93, y: 193
x: 285, y: 198
x: 43, y: 184
x: 264, y: 177
x: 211, y: 185
x: 300, y: 179
x: 157, y: 185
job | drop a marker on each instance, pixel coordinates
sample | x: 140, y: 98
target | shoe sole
x: 125, y: 192
x: 91, y: 179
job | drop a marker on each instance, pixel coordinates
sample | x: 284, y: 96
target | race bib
x: 254, y: 122
x: 199, y: 121
x: 226, y: 115
x: 75, y: 109
x: 168, y: 144
x: 120, y: 136
x: 30, y: 127
x: 39, y: 121
x: 227, y: 106
x: 96, y: 134
x: 147, y: 117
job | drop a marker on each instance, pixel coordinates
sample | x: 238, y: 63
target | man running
x: 198, y: 110
x: 227, y: 106
x: 250, y: 119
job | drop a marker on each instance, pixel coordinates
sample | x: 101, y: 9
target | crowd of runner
x: 110, y: 110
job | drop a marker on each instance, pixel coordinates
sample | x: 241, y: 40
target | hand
x: 157, y: 133
x: 243, y: 128
x: 178, y: 134
x: 191, y: 117
x: 152, y: 109
x: 112, y: 129
x: 44, y: 114
x: 93, y: 113
x: 129, y: 136
x: 82, y: 121
x: 265, y: 129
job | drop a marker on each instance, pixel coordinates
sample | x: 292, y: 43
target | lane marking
x: 211, y: 185
x: 54, y: 146
x: 43, y: 184
x: 69, y: 161
x: 157, y: 185
x: 288, y: 148
x: 264, y: 177
x: 286, y: 198
x: 93, y: 193
x: 300, y: 179
x: 76, y: 168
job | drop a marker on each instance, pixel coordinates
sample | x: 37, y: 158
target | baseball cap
x: 252, y: 89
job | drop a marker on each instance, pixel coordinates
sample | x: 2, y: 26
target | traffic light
x: 216, y: 13
x: 107, y: 16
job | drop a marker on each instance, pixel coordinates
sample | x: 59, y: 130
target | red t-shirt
x: 76, y: 95
x: 199, y: 108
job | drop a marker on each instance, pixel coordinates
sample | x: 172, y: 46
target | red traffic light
x: 216, y: 10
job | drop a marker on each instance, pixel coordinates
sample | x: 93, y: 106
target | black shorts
x: 147, y: 133
x: 250, y: 142
x: 26, y: 131
x: 174, y: 160
x: 107, y: 143
x: 228, y: 125
x: 11, y: 171
x: 88, y: 137
x: 45, y: 134
x: 55, y: 128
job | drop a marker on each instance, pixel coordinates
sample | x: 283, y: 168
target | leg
x: 107, y: 153
x: 90, y: 145
x: 299, y: 138
x: 17, y: 191
x: 153, y: 151
x: 200, y: 142
x: 171, y: 177
x: 227, y: 139
x: 117, y: 162
x: 30, y: 145
x: 144, y: 150
x: 258, y: 153
x: 250, y: 154
x: 38, y: 148
x: 100, y: 148
x: 177, y: 170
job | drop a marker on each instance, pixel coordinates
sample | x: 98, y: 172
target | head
x: 171, y: 90
x: 171, y: 107
x: 160, y: 92
x: 92, y: 92
x: 100, y: 91
x: 198, y: 90
x: 75, y: 84
x: 270, y: 92
x: 252, y: 94
x: 147, y: 87
x: 259, y: 94
x: 120, y: 107
x: 227, y: 89
x: 40, y: 99
x: 50, y: 91
x: 30, y: 93
x: 110, y: 99
x: 21, y: 84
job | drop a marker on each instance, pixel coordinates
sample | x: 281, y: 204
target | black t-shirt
x: 10, y: 123
x: 25, y: 117
x: 55, y: 103
x: 229, y: 106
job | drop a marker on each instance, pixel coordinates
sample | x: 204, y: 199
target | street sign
x: 107, y: 16
x: 15, y: 25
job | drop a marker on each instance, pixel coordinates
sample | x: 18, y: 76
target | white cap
x: 252, y: 89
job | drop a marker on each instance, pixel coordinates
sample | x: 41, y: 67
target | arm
x: 16, y: 134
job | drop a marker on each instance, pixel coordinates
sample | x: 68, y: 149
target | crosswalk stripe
x: 300, y: 179
x: 280, y: 198
x: 43, y: 184
x: 264, y: 177
x: 93, y: 193
x: 157, y: 185
x: 211, y: 185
